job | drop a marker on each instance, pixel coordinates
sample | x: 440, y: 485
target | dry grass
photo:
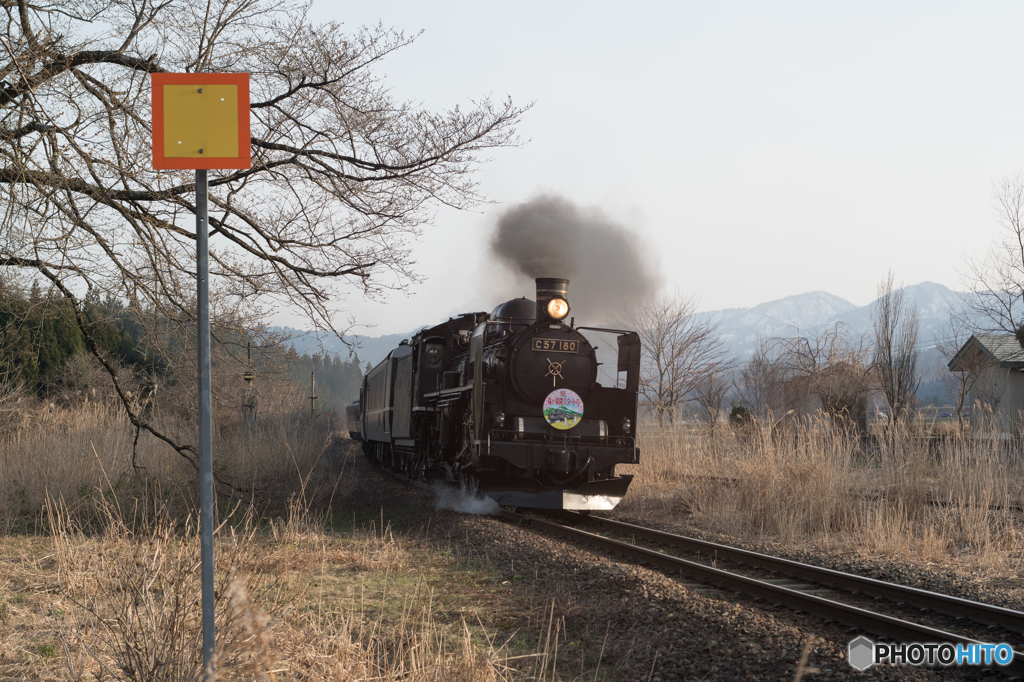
x: 294, y: 601
x: 901, y: 496
x: 124, y: 606
x: 109, y: 588
x: 72, y: 452
x: 99, y: 561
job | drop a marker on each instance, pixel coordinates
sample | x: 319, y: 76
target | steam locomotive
x: 506, y: 404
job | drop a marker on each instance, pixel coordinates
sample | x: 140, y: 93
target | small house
x: 997, y: 363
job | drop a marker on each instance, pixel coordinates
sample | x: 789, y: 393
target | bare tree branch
x: 710, y: 394
x: 681, y: 350
x: 761, y: 383
x: 825, y: 370
x: 996, y: 283
x: 343, y: 175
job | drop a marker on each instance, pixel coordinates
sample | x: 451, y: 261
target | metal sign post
x: 205, y: 419
x: 201, y: 121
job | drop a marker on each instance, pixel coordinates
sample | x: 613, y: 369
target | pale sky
x: 759, y: 149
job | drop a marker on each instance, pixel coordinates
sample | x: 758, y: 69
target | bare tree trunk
x: 895, y: 358
x: 710, y: 395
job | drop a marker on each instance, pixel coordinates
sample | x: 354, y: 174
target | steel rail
x: 957, y: 607
x: 826, y: 609
x: 855, y: 617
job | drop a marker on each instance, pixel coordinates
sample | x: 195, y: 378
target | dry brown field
x: 953, y: 500
x: 99, y: 561
x: 99, y: 556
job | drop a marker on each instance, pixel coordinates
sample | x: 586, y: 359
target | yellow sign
x: 201, y: 120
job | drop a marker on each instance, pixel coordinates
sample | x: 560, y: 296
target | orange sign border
x: 240, y: 162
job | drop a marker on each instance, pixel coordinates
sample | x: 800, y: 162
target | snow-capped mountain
x: 933, y: 302
x: 370, y: 349
x: 818, y: 310
x: 741, y: 327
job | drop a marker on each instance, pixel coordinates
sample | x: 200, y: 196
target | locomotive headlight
x: 558, y: 308
x: 499, y: 419
x: 626, y: 425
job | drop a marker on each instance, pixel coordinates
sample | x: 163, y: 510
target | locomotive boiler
x: 507, y: 404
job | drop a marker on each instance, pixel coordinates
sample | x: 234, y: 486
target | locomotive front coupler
x: 570, y: 461
x: 587, y: 469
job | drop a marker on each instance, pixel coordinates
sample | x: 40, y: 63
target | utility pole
x: 249, y: 393
x: 312, y: 395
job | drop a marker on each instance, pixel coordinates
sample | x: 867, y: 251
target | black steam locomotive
x: 507, y: 404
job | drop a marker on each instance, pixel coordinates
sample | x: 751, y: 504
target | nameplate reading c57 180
x: 556, y: 345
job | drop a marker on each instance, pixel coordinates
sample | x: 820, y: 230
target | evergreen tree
x: 39, y: 334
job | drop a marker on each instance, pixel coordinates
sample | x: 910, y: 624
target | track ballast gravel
x: 651, y: 626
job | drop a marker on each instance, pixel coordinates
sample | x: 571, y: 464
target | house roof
x: 1002, y: 348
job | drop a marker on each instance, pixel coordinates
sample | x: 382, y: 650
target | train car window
x: 605, y: 345
x: 497, y: 330
x: 433, y: 355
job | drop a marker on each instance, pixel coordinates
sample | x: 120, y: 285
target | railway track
x: 800, y: 598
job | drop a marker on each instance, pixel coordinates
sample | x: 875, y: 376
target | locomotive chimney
x: 552, y: 289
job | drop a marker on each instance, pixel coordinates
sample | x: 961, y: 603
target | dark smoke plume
x: 606, y: 264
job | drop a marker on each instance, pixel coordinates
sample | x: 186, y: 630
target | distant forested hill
x: 39, y: 334
x: 337, y: 380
